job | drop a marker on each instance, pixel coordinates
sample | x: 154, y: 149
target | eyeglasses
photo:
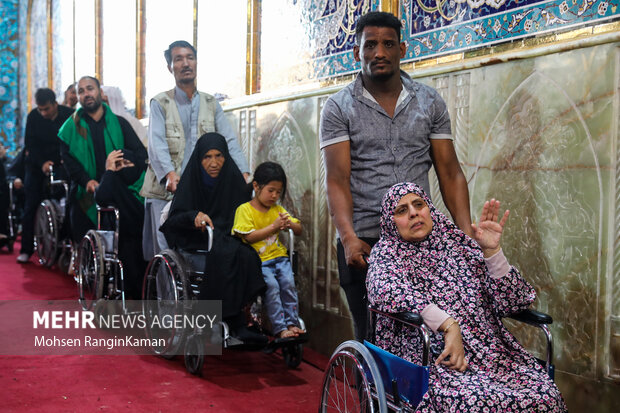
x: 418, y: 204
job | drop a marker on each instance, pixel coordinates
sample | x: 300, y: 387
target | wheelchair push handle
x: 54, y: 181
x: 291, y: 243
x: 111, y: 209
x: 210, y: 235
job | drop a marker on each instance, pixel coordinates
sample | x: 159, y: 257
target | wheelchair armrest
x: 409, y: 318
x: 406, y: 317
x: 532, y: 317
x: 540, y: 320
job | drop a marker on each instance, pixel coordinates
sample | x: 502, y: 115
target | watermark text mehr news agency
x: 86, y: 319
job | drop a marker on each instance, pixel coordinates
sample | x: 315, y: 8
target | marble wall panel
x: 547, y: 152
x: 539, y: 138
x: 284, y: 134
x: 287, y: 133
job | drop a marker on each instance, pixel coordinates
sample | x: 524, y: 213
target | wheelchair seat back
x: 409, y: 380
x: 108, y: 240
x: 196, y: 259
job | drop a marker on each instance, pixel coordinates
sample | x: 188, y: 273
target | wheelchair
x: 51, y: 239
x: 361, y: 377
x: 99, y: 271
x: 14, y: 218
x: 174, y: 277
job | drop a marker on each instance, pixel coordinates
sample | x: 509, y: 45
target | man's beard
x: 381, y: 77
x: 187, y: 80
x: 93, y: 106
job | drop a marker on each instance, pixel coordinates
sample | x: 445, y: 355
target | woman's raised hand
x: 202, y: 220
x: 488, y: 231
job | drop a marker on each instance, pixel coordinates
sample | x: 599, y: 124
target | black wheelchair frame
x: 13, y: 219
x: 184, y: 271
x: 100, y: 274
x: 50, y: 245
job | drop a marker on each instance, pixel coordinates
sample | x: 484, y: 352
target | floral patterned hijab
x: 445, y: 249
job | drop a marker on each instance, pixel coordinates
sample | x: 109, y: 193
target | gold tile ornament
x: 605, y: 28
x: 252, y: 73
x: 573, y: 34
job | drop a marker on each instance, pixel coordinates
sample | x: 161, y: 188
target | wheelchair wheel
x: 166, y: 291
x: 90, y: 269
x: 46, y: 227
x: 194, y: 354
x: 352, y: 381
x: 64, y: 259
x: 293, y: 354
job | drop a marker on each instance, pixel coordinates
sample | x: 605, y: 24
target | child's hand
x: 287, y: 218
x: 281, y: 222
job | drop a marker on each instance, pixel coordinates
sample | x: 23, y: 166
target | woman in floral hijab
x: 461, y: 287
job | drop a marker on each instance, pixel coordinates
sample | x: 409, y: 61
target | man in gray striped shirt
x: 382, y: 129
x: 178, y: 118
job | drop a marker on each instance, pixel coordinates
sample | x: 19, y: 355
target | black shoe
x: 23, y: 258
x: 248, y: 336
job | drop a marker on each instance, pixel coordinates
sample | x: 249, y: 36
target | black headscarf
x: 234, y: 268
x: 198, y: 192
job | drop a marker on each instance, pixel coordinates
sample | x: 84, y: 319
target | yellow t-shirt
x: 248, y: 219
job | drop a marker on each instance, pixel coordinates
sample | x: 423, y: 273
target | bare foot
x: 296, y: 330
x: 286, y: 334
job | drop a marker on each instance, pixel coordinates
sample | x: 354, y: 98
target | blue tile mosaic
x: 9, y: 91
x: 436, y: 27
x: 332, y: 30
x: 23, y: 69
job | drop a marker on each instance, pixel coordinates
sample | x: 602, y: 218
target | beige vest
x: 175, y: 137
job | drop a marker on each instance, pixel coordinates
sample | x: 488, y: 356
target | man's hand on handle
x: 356, y: 252
x: 172, y: 180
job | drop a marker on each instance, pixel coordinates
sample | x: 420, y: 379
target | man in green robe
x: 106, y: 162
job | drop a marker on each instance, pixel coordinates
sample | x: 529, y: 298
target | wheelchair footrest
x: 282, y: 342
x: 237, y: 344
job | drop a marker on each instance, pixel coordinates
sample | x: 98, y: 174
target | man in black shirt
x: 106, y: 163
x: 42, y: 151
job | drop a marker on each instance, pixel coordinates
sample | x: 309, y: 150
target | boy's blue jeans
x: 281, y: 295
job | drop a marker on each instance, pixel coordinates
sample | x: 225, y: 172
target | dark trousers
x: 34, y: 188
x: 353, y: 282
x: 4, y: 208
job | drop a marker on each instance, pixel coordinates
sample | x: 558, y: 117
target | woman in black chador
x: 210, y: 190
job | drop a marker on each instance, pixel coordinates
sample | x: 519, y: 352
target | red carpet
x: 234, y: 382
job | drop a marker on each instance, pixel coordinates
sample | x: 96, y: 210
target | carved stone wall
x: 539, y: 134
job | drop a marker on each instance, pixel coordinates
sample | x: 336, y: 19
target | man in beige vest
x: 177, y: 119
